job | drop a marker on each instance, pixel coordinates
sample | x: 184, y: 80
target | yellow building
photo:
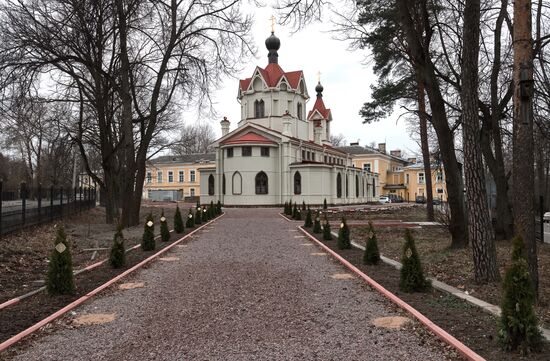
x: 176, y: 177
x: 397, y: 176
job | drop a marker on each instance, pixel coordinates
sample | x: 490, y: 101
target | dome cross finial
x: 272, y: 18
x: 319, y: 77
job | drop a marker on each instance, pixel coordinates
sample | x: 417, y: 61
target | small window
x: 261, y: 183
x: 325, y: 158
x: 297, y: 183
x: 223, y: 185
x: 356, y: 186
x: 439, y: 177
x: 159, y: 177
x: 170, y: 176
x: 313, y: 156
x: 339, y: 186
x: 299, y: 111
x: 420, y: 178
x: 210, y: 185
x: 303, y: 155
x: 181, y: 176
x: 236, y: 183
x: 259, y: 109
x: 308, y: 154
x: 366, y: 167
x: 192, y: 192
x: 149, y: 177
x: 439, y: 190
x: 229, y: 152
x: 192, y: 176
x: 265, y: 151
x: 246, y: 151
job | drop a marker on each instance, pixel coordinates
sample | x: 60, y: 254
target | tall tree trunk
x: 425, y: 147
x: 480, y: 230
x: 445, y: 137
x: 523, y: 152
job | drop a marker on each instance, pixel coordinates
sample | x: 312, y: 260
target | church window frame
x: 264, y: 151
x: 297, y: 183
x: 259, y: 108
x: 223, y: 184
x: 229, y: 152
x: 356, y: 186
x: 347, y: 188
x: 299, y: 111
x: 237, y: 184
x: 211, y: 185
x: 246, y: 151
x: 261, y: 182
x: 339, y: 185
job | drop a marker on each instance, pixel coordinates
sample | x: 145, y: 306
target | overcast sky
x: 345, y: 79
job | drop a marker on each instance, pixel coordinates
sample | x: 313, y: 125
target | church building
x: 280, y: 152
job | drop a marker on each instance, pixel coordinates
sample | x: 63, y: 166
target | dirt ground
x: 469, y: 324
x: 23, y: 261
x: 406, y: 212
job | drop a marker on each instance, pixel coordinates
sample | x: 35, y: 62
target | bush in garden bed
x: 164, y: 231
x: 343, y: 235
x: 518, y: 328
x: 219, y: 208
x: 412, y: 277
x: 148, y: 239
x: 198, y: 215
x: 117, y: 257
x: 317, y: 223
x: 178, y: 221
x: 309, y: 222
x: 327, y: 234
x: 60, y: 278
x: 372, y: 254
x: 190, y: 223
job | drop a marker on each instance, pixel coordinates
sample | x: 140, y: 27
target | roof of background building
x: 186, y: 158
x: 357, y: 149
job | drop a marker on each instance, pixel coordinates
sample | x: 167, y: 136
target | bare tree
x: 338, y: 140
x: 195, y: 138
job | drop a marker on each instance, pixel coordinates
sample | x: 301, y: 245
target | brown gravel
x: 244, y: 289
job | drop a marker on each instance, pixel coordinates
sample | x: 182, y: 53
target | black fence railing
x: 26, y: 206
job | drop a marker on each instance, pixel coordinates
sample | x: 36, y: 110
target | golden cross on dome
x: 272, y: 18
x: 318, y: 76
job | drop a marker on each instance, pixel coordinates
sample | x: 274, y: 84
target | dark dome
x: 273, y: 42
x: 319, y: 88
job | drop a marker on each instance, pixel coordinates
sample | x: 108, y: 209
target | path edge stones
x: 438, y: 331
x: 14, y: 339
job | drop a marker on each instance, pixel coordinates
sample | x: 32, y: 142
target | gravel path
x: 247, y: 288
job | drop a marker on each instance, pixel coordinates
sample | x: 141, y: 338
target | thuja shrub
x: 178, y: 221
x: 212, y: 210
x: 117, y: 258
x: 309, y: 222
x: 325, y: 207
x: 219, y: 208
x: 412, y: 277
x: 372, y: 254
x: 343, y: 235
x: 518, y: 330
x: 148, y: 239
x: 303, y: 205
x: 190, y: 223
x: 60, y: 278
x: 164, y: 231
x: 285, y: 208
x: 198, y: 216
x: 327, y: 234
x: 295, y: 211
x: 317, y: 223
x: 198, y: 205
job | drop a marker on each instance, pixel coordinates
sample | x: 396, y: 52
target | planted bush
x: 303, y: 205
x: 327, y: 234
x: 317, y: 223
x: 412, y: 277
x: 372, y: 254
x: 295, y: 211
x: 518, y: 330
x: 309, y: 222
x: 178, y: 221
x: 343, y: 235
x: 325, y: 207
x: 198, y: 216
x: 212, y: 210
x: 164, y: 231
x: 219, y: 208
x: 148, y: 239
x: 60, y: 278
x: 190, y: 223
x: 117, y: 258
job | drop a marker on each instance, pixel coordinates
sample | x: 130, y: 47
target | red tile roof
x: 320, y: 107
x: 272, y: 74
x: 249, y: 137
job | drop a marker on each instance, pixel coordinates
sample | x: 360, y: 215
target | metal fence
x: 26, y: 206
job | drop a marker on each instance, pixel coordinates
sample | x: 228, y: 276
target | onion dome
x: 319, y: 89
x: 272, y: 44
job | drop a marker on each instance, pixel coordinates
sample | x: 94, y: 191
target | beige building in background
x: 176, y: 177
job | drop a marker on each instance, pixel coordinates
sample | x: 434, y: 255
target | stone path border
x: 13, y: 340
x: 438, y: 331
x: 485, y: 306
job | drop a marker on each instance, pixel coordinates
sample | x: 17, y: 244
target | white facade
x: 279, y: 154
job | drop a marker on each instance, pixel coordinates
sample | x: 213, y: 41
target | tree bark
x: 445, y: 137
x: 425, y: 148
x: 523, y: 152
x: 480, y: 230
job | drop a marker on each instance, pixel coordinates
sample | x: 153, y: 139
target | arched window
x: 347, y: 188
x: 210, y: 185
x: 356, y: 186
x: 299, y: 110
x: 283, y: 86
x: 259, y: 108
x: 223, y: 184
x: 339, y: 185
x: 261, y: 183
x: 237, y: 183
x: 297, y: 183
